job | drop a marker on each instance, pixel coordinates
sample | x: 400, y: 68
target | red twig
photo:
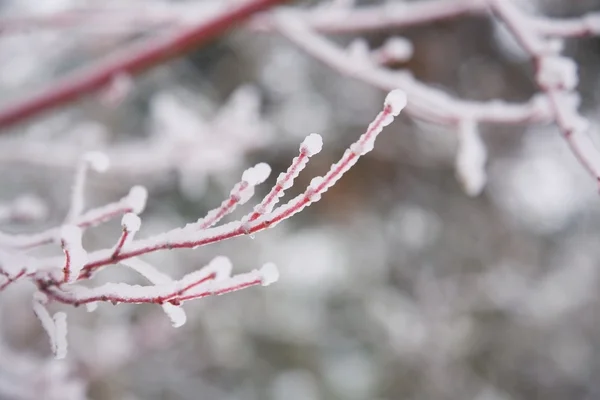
x: 130, y: 61
x: 10, y: 279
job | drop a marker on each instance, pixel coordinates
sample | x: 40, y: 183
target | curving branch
x: 129, y: 61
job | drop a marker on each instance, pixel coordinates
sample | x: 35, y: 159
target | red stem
x: 131, y: 61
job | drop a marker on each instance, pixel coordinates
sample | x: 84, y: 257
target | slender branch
x: 425, y: 102
x: 131, y: 61
x: 556, y: 76
x: 187, y: 238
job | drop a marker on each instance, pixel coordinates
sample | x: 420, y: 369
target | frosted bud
x: 137, y: 199
x: 471, y: 159
x: 269, y: 274
x: 396, y: 101
x: 398, y: 49
x: 557, y: 71
x: 257, y: 174
x: 97, y: 160
x: 312, y: 144
x: 131, y: 222
x: 221, y: 266
x: 71, y: 236
x: 175, y: 314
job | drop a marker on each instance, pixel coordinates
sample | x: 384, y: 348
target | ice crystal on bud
x: 312, y: 144
x: 131, y: 222
x: 557, y: 72
x: 257, y: 174
x: 398, y: 49
x: 396, y: 101
x: 270, y: 274
x: 175, y: 314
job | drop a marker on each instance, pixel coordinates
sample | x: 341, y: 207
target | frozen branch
x: 557, y: 77
x: 130, y: 61
x: 425, y: 102
x: 56, y: 277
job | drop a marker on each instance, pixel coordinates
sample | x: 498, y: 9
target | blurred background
x: 396, y: 285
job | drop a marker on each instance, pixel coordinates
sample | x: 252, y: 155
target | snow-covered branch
x: 56, y: 278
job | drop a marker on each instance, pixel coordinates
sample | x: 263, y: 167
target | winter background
x: 396, y: 285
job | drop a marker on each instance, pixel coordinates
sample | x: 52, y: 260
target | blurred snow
x: 396, y: 285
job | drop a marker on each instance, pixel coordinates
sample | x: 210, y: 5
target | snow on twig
x: 214, y: 279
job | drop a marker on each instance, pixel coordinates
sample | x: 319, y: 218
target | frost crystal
x: 131, y: 222
x: 398, y: 49
x: 557, y: 72
x: 257, y: 174
x: 396, y: 100
x: 312, y: 144
x: 270, y: 274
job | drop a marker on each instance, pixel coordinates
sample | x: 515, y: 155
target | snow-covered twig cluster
x: 542, y: 38
x: 58, y: 278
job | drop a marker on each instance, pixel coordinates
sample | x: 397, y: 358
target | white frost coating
x: 131, y: 222
x: 71, y: 235
x: 175, y: 314
x: 98, y: 160
x: 312, y: 144
x: 60, y: 326
x: 221, y: 266
x: 557, y: 72
x: 241, y: 193
x: 56, y: 328
x: 40, y: 297
x: 242, y: 196
x: 137, y: 199
x: 471, y: 159
x: 257, y: 174
x: 396, y: 100
x: 92, y: 306
x: 398, y: 49
x: 313, y: 193
x: 71, y: 239
x: 270, y: 274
